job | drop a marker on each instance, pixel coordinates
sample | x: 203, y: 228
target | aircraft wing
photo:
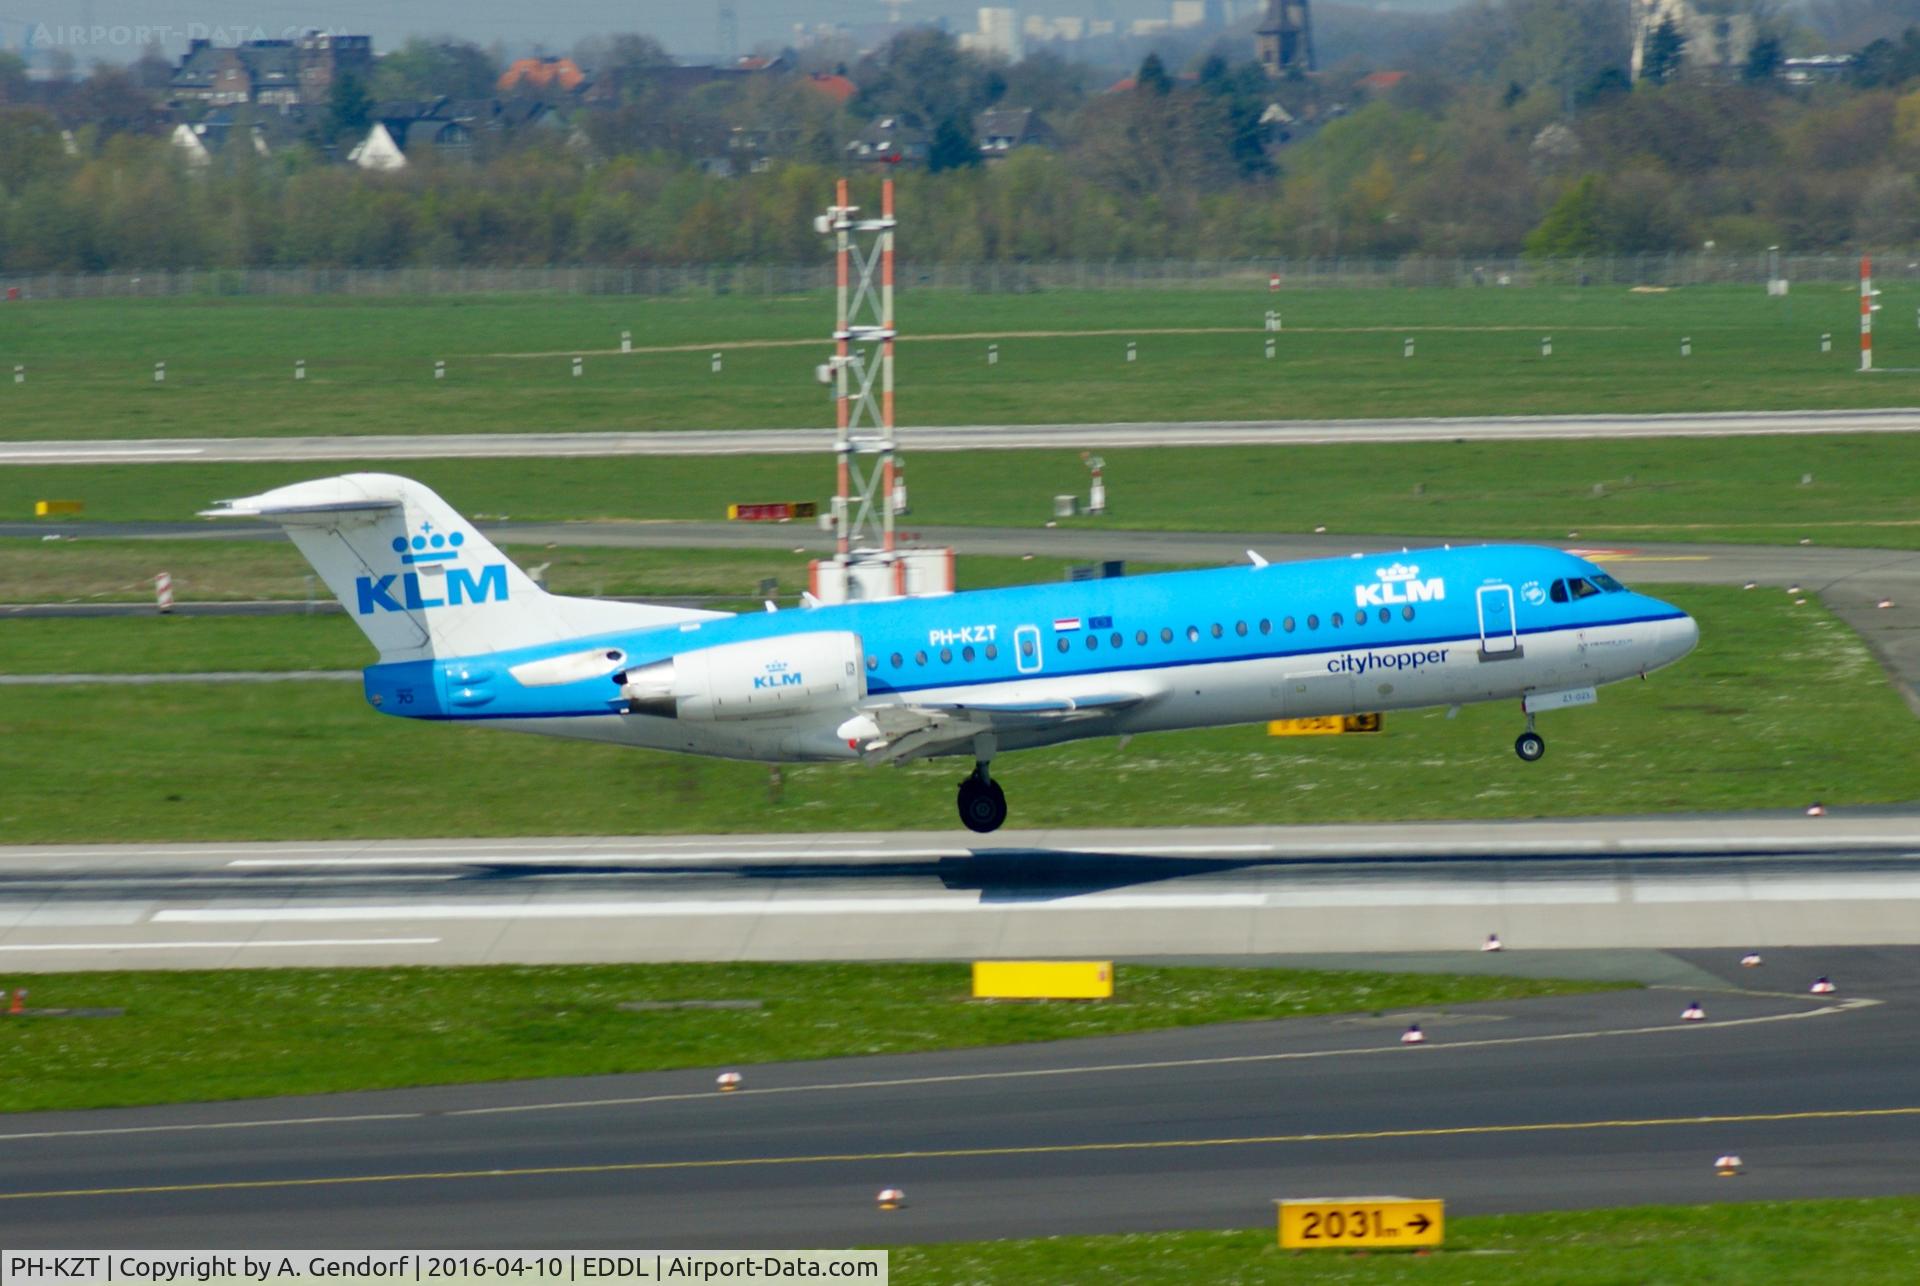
x: 917, y: 729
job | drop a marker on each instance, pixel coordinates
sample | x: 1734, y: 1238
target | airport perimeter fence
x: 1652, y: 270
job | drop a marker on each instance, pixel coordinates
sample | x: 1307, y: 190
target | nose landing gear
x: 983, y: 805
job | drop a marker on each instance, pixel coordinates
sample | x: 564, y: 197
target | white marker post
x: 716, y: 363
x: 1406, y: 347
x: 300, y: 369
x: 159, y: 372
x: 1826, y: 341
x: 626, y: 341
x: 1686, y: 346
x: 163, y: 592
x: 1546, y: 346
x: 579, y: 364
x: 19, y: 375
x: 993, y: 354
x: 439, y: 370
x: 1269, y: 350
x: 1131, y: 352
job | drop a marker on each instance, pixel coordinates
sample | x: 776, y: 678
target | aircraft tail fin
x: 420, y: 580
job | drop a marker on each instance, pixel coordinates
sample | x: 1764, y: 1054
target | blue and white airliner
x: 464, y: 635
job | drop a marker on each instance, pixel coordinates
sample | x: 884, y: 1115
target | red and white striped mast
x: 863, y: 386
x: 1867, y: 310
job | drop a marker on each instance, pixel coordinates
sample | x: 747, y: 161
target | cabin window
x: 1064, y: 643
x: 992, y: 651
x: 1026, y: 647
x: 1217, y: 631
x: 1266, y: 626
x: 1193, y: 633
x: 1406, y: 613
x: 1116, y: 640
x: 1140, y: 637
x: 919, y: 658
x: 873, y: 663
x: 895, y: 659
x: 1240, y: 628
x: 1386, y: 614
x: 1286, y: 623
x: 1166, y: 635
x: 966, y: 654
x: 1313, y: 622
x: 946, y: 656
x: 1360, y: 618
x: 1093, y: 641
x: 1335, y: 622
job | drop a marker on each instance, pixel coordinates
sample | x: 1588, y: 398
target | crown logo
x: 1397, y: 572
x: 428, y: 545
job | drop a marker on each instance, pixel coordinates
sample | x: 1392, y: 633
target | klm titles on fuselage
x: 1399, y: 585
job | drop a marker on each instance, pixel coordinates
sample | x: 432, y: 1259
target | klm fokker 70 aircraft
x: 463, y: 634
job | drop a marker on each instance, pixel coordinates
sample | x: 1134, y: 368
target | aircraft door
x: 1028, y: 656
x: 1499, y: 635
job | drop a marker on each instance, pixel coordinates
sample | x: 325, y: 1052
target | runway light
x: 1751, y: 960
x: 727, y: 1082
x: 890, y: 1199
x: 1492, y: 943
x: 1822, y: 987
x: 1413, y: 1036
x: 1816, y: 809
x: 1884, y: 604
x: 1693, y: 1013
x: 19, y: 1005
x: 1729, y: 1166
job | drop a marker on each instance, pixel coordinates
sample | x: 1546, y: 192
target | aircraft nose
x: 1678, y: 637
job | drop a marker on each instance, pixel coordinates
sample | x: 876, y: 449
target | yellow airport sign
x: 1323, y: 725
x: 1043, y: 979
x: 51, y: 508
x: 1358, y: 1223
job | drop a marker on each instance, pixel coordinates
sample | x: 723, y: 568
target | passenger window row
x: 1064, y: 642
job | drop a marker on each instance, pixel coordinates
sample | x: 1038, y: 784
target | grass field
x: 121, y: 571
x: 195, y: 1036
x: 1860, y: 1242
x: 1737, y: 489
x: 89, y: 363
x: 1780, y: 705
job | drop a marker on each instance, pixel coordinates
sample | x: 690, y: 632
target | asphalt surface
x: 973, y: 437
x: 1719, y: 881
x: 1548, y: 1104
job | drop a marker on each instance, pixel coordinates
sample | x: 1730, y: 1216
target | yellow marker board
x: 1043, y: 979
x: 50, y: 508
x: 1359, y: 1222
x: 1323, y: 725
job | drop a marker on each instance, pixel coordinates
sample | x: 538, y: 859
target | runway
x: 970, y: 437
x: 1720, y: 881
x: 1550, y: 1104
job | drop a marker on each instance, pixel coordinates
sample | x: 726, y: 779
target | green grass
x: 121, y: 571
x: 1780, y: 705
x: 1853, y: 1241
x: 230, y: 361
x: 1736, y: 489
x: 192, y: 1036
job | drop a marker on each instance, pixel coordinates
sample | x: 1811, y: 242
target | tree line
x: 1528, y: 139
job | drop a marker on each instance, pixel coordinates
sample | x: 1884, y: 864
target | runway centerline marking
x: 940, y: 1154
x: 1844, y: 1006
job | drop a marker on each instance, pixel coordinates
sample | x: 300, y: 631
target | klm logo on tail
x: 459, y: 585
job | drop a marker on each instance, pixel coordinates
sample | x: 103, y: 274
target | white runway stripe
x: 729, y: 907
x: 204, y: 946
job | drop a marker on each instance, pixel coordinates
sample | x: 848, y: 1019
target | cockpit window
x: 1608, y: 583
x: 1581, y: 588
x: 1559, y: 592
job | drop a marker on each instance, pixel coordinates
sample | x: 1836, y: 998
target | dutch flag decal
x: 1066, y: 623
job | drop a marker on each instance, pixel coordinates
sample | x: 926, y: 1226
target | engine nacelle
x: 781, y: 676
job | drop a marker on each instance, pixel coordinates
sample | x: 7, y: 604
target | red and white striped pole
x: 163, y: 591
x: 1867, y: 292
x: 886, y: 369
x: 841, y: 349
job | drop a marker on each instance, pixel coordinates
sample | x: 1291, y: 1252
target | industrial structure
x: 1284, y: 42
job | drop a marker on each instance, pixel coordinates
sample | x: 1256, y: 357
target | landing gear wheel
x: 1530, y: 746
x: 983, y: 805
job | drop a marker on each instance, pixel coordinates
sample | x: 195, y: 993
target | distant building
x: 1379, y: 82
x: 275, y: 73
x: 263, y: 132
x: 1713, y: 40
x: 998, y: 34
x: 1816, y: 68
x: 837, y: 88
x: 1284, y: 40
x: 1004, y: 129
x: 404, y: 130
x: 542, y: 75
x: 891, y: 140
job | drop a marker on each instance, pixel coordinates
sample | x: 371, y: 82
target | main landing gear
x: 983, y: 805
x: 1530, y: 745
